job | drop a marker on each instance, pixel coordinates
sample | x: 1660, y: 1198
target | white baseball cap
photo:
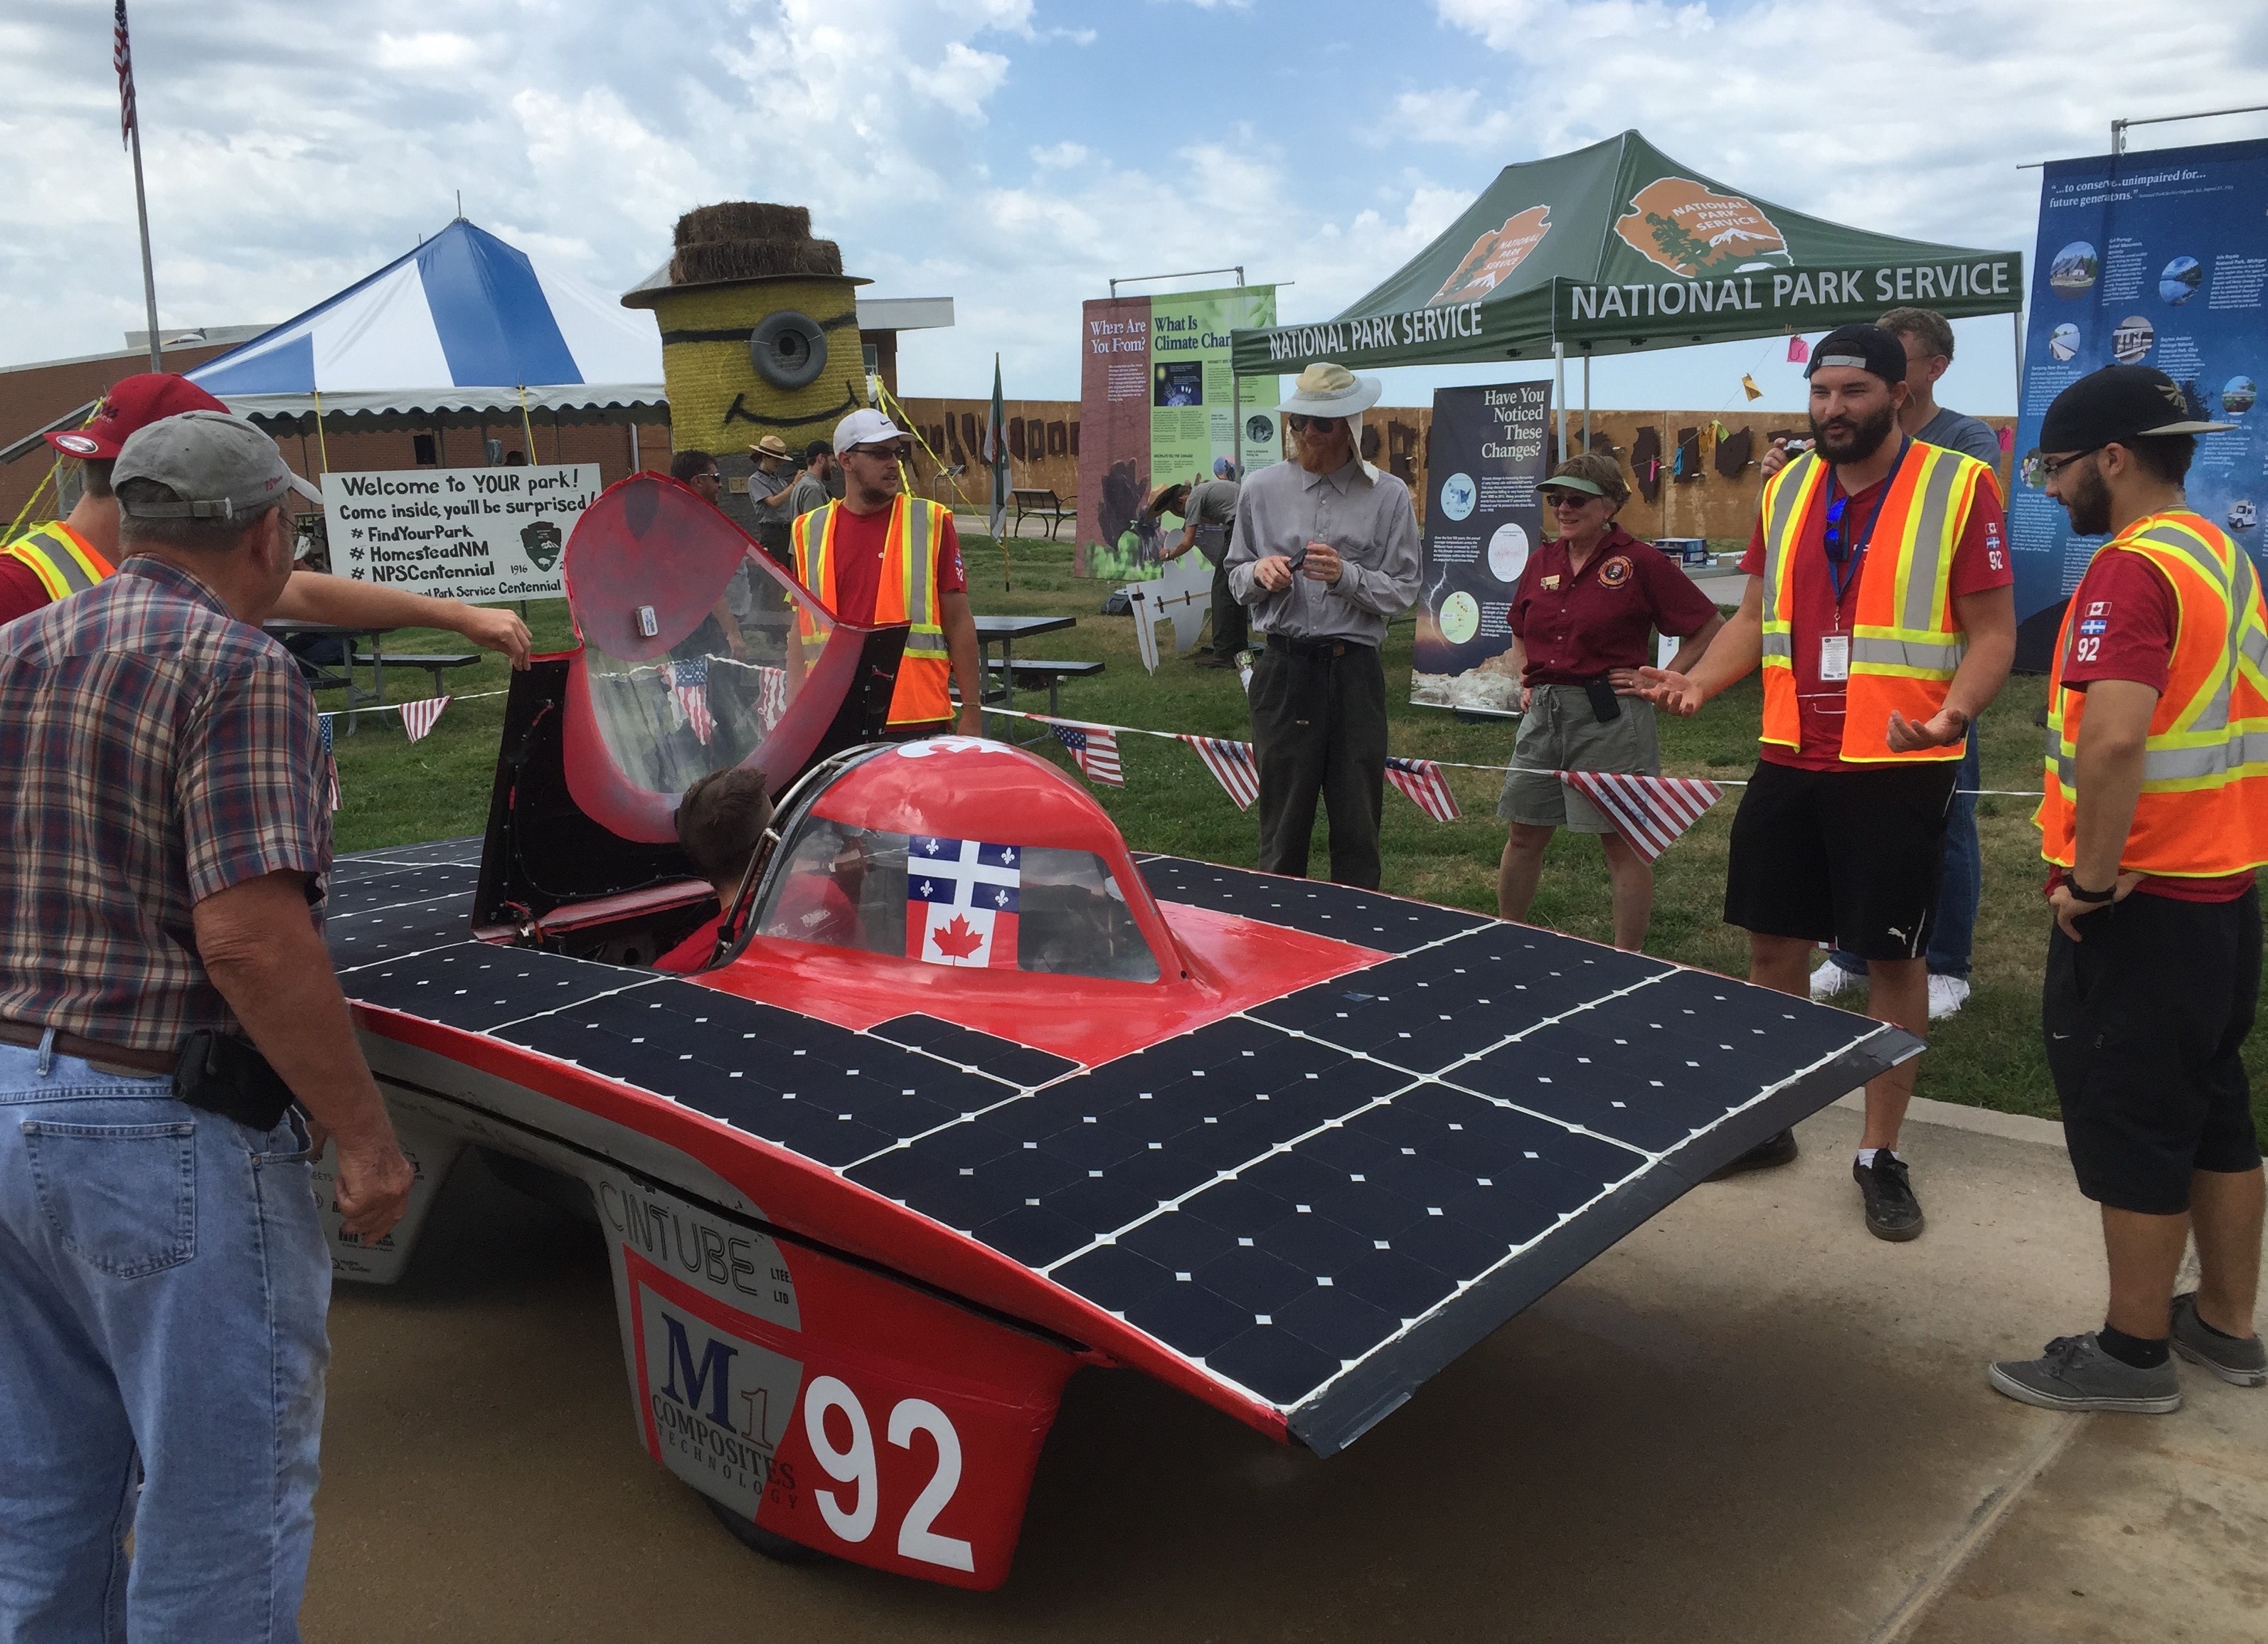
x: 865, y: 428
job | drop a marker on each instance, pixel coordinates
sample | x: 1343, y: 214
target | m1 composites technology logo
x: 714, y: 1404
x: 1694, y: 231
x: 1495, y: 255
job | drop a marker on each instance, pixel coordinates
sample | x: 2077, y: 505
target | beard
x: 2087, y: 499
x: 1842, y: 441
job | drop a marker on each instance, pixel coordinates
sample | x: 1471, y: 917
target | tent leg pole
x: 2017, y: 321
x: 1587, y: 402
x: 1559, y: 392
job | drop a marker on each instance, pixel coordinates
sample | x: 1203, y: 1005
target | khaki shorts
x: 1559, y: 731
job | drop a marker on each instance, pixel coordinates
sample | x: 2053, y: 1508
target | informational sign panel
x: 466, y: 533
x: 1481, y: 521
x: 2157, y: 259
x: 1158, y: 407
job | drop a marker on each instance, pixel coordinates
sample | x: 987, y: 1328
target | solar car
x: 979, y: 1096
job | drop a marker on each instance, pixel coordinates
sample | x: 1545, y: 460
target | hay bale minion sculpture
x: 759, y: 336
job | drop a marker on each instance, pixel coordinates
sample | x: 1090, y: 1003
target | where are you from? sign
x: 464, y: 534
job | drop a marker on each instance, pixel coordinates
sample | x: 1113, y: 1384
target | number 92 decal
x: 851, y: 1513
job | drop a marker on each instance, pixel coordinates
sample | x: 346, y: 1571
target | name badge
x: 1834, y: 657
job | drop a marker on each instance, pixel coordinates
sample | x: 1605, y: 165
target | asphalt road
x: 1747, y: 1422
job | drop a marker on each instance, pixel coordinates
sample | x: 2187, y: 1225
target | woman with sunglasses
x: 1582, y: 624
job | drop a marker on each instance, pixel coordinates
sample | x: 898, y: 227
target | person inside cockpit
x: 721, y: 821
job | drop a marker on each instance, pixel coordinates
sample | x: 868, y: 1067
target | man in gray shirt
x: 1212, y: 526
x: 1325, y: 553
x: 809, y: 490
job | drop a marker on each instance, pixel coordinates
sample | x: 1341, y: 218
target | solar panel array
x: 1321, y: 1199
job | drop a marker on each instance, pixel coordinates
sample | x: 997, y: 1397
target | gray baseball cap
x: 220, y: 466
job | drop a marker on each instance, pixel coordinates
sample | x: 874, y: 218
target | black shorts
x: 2146, y: 1019
x: 1847, y: 857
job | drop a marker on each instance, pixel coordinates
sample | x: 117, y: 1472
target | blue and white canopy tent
x: 465, y: 331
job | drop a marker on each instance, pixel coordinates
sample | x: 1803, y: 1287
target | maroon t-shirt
x: 860, y: 542
x: 20, y: 592
x: 1577, y: 624
x: 2124, y: 617
x: 1980, y: 563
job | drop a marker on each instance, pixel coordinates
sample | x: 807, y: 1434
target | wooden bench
x: 1041, y: 503
x: 1033, y: 673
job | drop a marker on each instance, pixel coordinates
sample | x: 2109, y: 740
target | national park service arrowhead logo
x: 542, y: 542
x: 1494, y: 255
x: 1695, y: 231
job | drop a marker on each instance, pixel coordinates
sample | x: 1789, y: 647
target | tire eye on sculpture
x: 788, y: 350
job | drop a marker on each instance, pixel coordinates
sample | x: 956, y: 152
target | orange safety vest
x: 64, y: 562
x: 907, y: 593
x: 1906, y: 643
x: 2204, y: 807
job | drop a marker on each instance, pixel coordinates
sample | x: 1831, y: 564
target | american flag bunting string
x: 1095, y: 750
x: 771, y: 696
x: 688, y: 694
x: 1231, y: 766
x: 1421, y: 780
x: 121, y: 58
x: 417, y: 718
x: 330, y: 759
x: 1649, y: 811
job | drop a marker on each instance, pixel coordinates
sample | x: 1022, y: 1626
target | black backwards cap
x: 2118, y: 405
x: 1865, y: 348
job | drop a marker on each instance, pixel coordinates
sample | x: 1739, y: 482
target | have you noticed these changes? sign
x: 464, y: 534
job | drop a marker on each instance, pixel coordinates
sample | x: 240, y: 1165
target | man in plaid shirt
x: 163, y: 1271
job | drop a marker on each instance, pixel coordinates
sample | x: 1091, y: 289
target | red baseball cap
x: 133, y: 403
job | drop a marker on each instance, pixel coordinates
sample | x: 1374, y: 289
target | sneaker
x: 2075, y: 1374
x: 1893, y: 1213
x: 2239, y: 1363
x: 1767, y: 1154
x: 1946, y: 995
x: 1830, y: 979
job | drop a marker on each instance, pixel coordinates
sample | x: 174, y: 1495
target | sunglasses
x: 1839, y: 540
x: 2050, y: 467
x: 1299, y: 425
x: 1561, y: 498
x: 891, y: 453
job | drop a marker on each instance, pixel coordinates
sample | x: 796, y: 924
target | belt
x: 1315, y: 647
x: 110, y: 1058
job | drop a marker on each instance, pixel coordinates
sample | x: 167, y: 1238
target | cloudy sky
x: 1016, y: 154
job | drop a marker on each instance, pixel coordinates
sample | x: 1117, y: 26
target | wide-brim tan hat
x: 1326, y: 390
x: 772, y: 446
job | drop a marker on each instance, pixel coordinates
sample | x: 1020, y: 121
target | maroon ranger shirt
x: 1577, y: 624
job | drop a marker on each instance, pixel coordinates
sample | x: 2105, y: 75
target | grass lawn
x: 1987, y: 1056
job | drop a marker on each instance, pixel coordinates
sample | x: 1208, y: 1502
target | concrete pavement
x: 1749, y: 1422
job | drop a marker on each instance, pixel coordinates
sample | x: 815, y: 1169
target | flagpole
x: 131, y: 116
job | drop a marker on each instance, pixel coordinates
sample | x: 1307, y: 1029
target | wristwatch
x: 2077, y: 894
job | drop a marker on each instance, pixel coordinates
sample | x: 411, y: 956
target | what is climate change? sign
x: 465, y: 534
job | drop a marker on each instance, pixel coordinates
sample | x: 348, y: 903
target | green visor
x: 1572, y: 483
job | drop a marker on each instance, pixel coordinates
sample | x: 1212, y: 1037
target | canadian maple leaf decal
x: 956, y: 941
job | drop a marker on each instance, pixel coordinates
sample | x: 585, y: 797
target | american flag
x: 1231, y: 766
x: 1094, y: 748
x: 1649, y: 811
x: 688, y: 693
x: 772, y: 695
x: 1422, y: 781
x: 417, y: 718
x: 330, y: 760
x: 121, y: 58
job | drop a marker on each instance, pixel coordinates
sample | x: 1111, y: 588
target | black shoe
x: 1893, y: 1213
x: 1768, y: 1154
x: 1209, y: 660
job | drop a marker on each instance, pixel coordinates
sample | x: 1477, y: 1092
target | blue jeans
x: 163, y: 1284
x: 1953, y: 925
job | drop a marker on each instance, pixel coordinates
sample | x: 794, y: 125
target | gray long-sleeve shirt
x: 1369, y: 521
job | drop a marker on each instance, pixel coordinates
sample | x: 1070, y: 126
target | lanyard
x: 1842, y: 572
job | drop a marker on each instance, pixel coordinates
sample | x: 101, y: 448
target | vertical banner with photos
x: 1158, y: 406
x: 1481, y: 519
x: 2153, y: 259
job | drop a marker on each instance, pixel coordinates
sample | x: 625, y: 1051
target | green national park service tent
x: 1617, y: 247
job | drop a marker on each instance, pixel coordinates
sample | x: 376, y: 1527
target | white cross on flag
x: 960, y: 901
x: 1649, y: 811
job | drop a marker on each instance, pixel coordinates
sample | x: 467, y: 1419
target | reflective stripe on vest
x: 1905, y: 646
x: 64, y: 561
x: 905, y: 590
x: 2203, y: 811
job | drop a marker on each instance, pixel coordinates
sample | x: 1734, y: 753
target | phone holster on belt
x: 1605, y: 704
x: 227, y: 1076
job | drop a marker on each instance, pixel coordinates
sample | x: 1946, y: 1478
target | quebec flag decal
x: 960, y: 901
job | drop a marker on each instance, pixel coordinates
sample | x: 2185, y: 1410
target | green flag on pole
x: 996, y: 451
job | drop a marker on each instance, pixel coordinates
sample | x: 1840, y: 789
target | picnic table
x: 321, y: 678
x: 1005, y: 631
